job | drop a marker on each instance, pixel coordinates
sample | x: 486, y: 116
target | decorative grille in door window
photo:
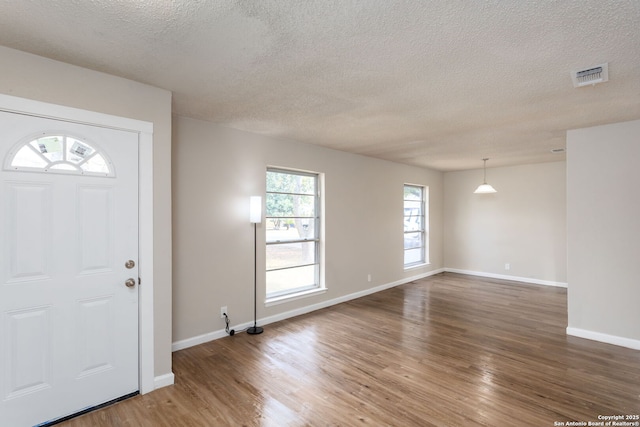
x: 61, y: 154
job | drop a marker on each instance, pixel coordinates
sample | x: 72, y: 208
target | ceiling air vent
x: 591, y: 75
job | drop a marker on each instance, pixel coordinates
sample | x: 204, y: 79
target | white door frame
x: 144, y: 129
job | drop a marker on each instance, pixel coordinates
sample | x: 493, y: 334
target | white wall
x: 604, y: 232
x: 37, y: 78
x: 523, y: 224
x: 216, y: 169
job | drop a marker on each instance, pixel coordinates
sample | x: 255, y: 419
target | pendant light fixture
x: 485, y: 188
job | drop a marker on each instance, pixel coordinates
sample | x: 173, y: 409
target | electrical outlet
x: 507, y: 266
x: 223, y: 310
x: 368, y: 277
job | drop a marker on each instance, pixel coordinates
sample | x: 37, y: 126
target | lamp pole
x: 255, y: 217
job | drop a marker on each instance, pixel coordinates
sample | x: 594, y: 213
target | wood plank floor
x: 449, y: 350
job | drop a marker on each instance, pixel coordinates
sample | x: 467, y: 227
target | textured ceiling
x: 440, y: 84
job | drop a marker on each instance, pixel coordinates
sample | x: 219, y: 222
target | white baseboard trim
x: 605, y: 338
x: 505, y: 277
x: 163, y: 380
x: 210, y: 336
x: 345, y: 298
x: 200, y: 339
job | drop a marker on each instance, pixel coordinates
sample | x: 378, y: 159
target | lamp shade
x: 485, y: 189
x: 255, y: 209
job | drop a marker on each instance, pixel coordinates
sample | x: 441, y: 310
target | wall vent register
x: 591, y: 76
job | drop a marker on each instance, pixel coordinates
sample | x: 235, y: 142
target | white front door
x: 68, y: 227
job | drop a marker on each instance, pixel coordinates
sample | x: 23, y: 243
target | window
x: 293, y: 230
x: 415, y: 225
x: 59, y: 153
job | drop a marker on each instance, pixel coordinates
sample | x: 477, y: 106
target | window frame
x: 423, y: 228
x: 316, y: 239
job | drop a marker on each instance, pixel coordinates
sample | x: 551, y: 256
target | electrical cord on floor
x: 226, y: 328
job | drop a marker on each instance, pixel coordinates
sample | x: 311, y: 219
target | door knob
x: 131, y: 282
x: 130, y: 264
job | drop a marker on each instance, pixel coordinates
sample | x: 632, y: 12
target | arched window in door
x: 58, y: 153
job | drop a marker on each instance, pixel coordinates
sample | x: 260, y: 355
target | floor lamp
x: 255, y: 217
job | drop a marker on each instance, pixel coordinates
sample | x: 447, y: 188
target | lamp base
x: 254, y: 330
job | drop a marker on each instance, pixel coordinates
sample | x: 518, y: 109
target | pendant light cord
x: 485, y: 170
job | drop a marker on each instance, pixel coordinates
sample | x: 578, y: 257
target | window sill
x: 292, y: 297
x: 414, y: 266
